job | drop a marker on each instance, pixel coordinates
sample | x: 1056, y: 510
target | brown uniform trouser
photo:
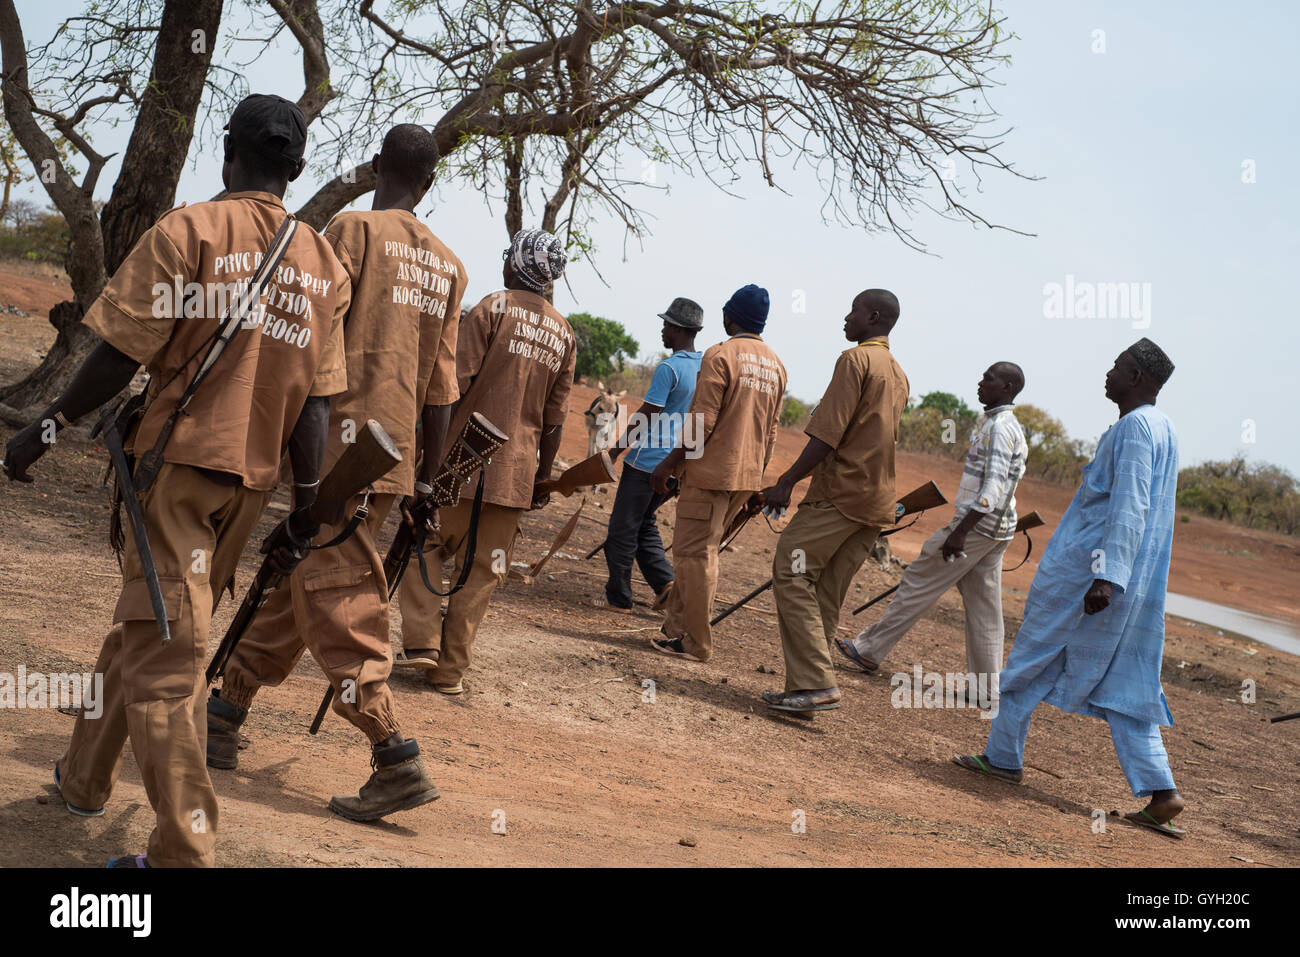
x: 815, y: 560
x: 154, y: 694
x: 702, y: 517
x: 336, y: 605
x: 424, y: 625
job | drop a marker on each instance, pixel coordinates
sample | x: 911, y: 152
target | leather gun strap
x: 353, y: 524
x: 1028, y: 551
x: 471, y: 548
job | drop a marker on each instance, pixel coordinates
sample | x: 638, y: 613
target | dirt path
x: 558, y: 738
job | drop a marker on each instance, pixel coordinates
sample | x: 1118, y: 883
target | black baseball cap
x: 270, y: 126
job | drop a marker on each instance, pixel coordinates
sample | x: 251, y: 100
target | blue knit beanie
x: 748, y: 307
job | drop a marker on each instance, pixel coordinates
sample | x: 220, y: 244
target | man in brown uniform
x: 850, y: 452
x: 734, y: 414
x: 514, y: 360
x: 401, y: 359
x: 269, y: 392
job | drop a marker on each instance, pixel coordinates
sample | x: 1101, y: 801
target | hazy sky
x: 1141, y: 151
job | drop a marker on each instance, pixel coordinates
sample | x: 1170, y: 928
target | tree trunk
x: 145, y: 189
x: 160, y: 139
x: 514, y: 187
x: 60, y: 364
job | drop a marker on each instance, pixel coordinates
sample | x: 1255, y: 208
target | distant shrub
x: 794, y: 412
x: 1257, y: 496
x: 603, y: 345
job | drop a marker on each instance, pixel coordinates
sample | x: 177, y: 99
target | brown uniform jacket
x: 400, y: 331
x: 514, y: 359
x: 734, y: 412
x: 169, y: 296
x: 858, y: 418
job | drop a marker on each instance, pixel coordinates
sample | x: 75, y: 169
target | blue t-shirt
x: 672, y: 388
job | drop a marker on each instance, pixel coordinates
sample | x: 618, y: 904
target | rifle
x: 108, y: 425
x: 365, y: 461
x: 1026, y: 522
x: 916, y: 501
x: 472, y: 451
x: 597, y: 470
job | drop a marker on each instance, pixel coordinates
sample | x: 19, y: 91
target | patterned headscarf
x: 537, y: 258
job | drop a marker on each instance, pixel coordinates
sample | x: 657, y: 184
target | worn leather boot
x: 224, y: 720
x: 399, y: 783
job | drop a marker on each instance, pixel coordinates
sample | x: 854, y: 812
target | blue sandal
x: 848, y: 651
x: 79, y: 811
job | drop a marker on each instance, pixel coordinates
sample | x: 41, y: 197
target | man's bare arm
x: 105, y: 373
x: 307, y: 448
x: 777, y: 496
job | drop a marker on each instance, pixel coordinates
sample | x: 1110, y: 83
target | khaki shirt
x: 734, y: 412
x: 168, y: 298
x: 858, y: 418
x: 400, y: 331
x: 514, y: 359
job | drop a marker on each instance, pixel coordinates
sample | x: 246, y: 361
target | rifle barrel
x: 733, y: 607
x: 881, y: 596
x: 264, y: 581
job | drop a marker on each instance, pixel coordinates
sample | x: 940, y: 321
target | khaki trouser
x: 336, y: 604
x: 702, y: 517
x: 155, y: 695
x: 424, y: 625
x: 815, y: 560
x: 978, y: 577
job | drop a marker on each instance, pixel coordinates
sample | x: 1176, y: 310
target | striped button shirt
x: 995, y: 463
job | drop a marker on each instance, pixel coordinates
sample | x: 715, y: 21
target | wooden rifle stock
x: 920, y: 498
x: 472, y: 451
x: 1032, y: 520
x: 372, y: 456
x: 367, y: 460
x: 597, y: 470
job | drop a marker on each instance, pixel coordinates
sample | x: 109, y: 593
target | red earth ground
x: 558, y: 738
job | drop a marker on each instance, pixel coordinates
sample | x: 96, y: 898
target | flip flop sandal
x: 1143, y: 818
x: 848, y: 651
x: 973, y: 762
x: 604, y: 605
x: 457, y: 688
x: 139, y: 860
x: 798, y: 703
x: 661, y: 599
x: 421, y: 662
x: 79, y: 811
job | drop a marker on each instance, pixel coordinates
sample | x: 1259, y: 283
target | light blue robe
x: 1119, y: 528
